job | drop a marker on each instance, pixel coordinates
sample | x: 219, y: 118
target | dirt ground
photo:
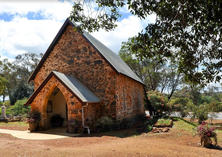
x: 177, y: 142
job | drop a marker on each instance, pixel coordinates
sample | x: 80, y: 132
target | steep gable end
x: 112, y: 58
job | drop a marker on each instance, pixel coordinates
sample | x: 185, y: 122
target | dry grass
x: 14, y: 125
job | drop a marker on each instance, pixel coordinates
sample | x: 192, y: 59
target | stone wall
x: 91, y: 114
x: 129, y: 94
x: 73, y: 56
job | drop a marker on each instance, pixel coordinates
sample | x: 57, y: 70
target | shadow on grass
x: 190, y: 123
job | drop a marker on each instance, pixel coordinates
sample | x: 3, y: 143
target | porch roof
x: 72, y: 84
x: 78, y: 88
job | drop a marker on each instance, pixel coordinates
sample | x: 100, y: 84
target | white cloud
x: 128, y: 27
x: 22, y: 35
x: 50, y: 9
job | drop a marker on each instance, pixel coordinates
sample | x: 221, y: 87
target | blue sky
x: 31, y: 25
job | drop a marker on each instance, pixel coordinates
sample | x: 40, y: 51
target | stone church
x: 80, y: 78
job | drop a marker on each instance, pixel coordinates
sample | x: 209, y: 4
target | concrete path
x: 56, y: 133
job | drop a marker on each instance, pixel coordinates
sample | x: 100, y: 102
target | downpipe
x: 83, y: 124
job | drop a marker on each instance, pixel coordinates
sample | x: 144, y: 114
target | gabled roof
x: 111, y: 57
x: 72, y: 84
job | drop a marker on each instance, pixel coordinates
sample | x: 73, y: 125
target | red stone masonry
x: 129, y: 94
x: 40, y: 101
x: 73, y: 55
x: 121, y: 96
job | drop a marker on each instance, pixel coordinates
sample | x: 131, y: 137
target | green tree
x: 205, y: 99
x: 200, y: 112
x: 156, y: 75
x: 161, y: 76
x: 213, y: 92
x: 195, y: 93
x: 146, y: 69
x: 6, y: 71
x: 17, y: 73
x: 180, y: 105
x: 19, y: 108
x: 20, y: 91
x: 188, y: 31
x: 25, y: 64
x: 3, y: 83
x: 158, y: 102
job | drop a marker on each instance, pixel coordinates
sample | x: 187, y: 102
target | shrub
x: 200, y: 112
x: 151, y: 121
x: 205, y: 130
x: 164, y: 121
x: 105, y: 121
x: 34, y: 117
x: 6, y: 103
x: 179, y: 105
x: 149, y: 128
x: 139, y: 118
x: 73, y: 123
x: 125, y: 123
x: 19, y: 108
x: 206, y: 133
x: 158, y: 102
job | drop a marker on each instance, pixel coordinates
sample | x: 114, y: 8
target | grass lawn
x: 14, y: 125
x: 184, y: 125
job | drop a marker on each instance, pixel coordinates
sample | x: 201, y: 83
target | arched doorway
x: 56, y: 106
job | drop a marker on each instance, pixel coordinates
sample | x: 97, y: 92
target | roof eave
x: 134, y: 79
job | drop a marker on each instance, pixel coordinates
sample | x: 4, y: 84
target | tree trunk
x: 174, y: 86
x: 149, y: 106
x: 171, y: 93
x: 3, y: 98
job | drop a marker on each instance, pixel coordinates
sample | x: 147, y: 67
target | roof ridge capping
x: 114, y: 60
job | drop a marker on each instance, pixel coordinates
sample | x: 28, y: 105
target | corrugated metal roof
x: 112, y: 58
x: 78, y: 88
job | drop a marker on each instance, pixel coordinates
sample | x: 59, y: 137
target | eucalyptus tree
x: 3, y: 83
x: 17, y: 73
x: 6, y: 71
